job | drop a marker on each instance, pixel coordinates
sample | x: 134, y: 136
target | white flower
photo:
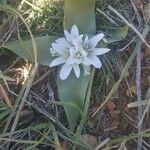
x: 76, y: 49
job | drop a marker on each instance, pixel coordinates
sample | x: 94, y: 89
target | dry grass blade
x: 144, y: 113
x: 102, y: 144
x: 122, y: 146
x: 137, y: 104
x: 5, y: 96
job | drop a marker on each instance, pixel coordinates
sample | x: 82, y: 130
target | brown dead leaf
x: 146, y: 52
x: 89, y: 139
x: 111, y: 105
x: 131, y: 91
x: 5, y: 96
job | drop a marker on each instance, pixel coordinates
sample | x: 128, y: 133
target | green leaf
x: 73, y: 90
x: 117, y: 34
x: 24, y: 49
x: 81, y: 13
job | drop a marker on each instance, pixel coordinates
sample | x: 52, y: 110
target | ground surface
x: 114, y: 120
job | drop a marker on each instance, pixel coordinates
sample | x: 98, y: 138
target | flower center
x: 81, y: 54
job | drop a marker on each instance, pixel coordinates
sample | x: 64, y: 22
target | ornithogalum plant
x: 75, y: 54
x: 77, y: 51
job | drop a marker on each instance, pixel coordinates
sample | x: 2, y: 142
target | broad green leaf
x: 24, y: 49
x: 117, y: 34
x: 73, y: 90
x: 81, y: 13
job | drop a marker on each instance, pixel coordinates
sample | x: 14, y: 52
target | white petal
x: 95, y: 39
x: 75, y: 31
x: 68, y: 36
x: 80, y: 39
x: 72, y: 51
x: 71, y: 60
x: 63, y: 42
x: 100, y: 51
x: 86, y: 61
x: 58, y: 48
x: 65, y: 71
x: 76, y: 70
x: 57, y: 61
x: 77, y: 44
x: 95, y: 61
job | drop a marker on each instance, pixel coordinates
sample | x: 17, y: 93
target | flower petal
x: 57, y: 61
x: 76, y: 70
x: 63, y: 42
x: 95, y: 39
x: 77, y: 45
x: 58, y: 48
x: 100, y: 51
x: 95, y: 61
x: 75, y: 31
x: 68, y: 36
x: 65, y: 71
x: 80, y: 39
x: 72, y: 60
